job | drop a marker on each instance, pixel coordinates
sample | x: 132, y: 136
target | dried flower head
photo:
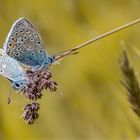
x: 31, y: 112
x: 37, y: 81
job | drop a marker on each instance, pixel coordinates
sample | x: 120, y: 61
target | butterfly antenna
x: 10, y: 95
x: 73, y: 50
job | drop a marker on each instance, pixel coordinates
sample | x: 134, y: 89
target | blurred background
x: 91, y: 103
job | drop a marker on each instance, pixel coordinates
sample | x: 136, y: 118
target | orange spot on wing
x: 15, y: 40
x: 12, y: 45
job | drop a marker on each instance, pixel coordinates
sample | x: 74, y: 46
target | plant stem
x: 71, y: 51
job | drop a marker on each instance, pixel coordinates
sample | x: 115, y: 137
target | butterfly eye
x: 9, y: 74
x: 16, y: 85
x: 1, y: 71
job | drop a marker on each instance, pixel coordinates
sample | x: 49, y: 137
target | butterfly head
x: 49, y: 60
x: 18, y: 85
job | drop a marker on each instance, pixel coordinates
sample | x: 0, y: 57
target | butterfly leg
x: 10, y: 95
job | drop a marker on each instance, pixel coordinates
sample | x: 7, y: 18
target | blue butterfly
x: 24, y: 44
x: 10, y: 69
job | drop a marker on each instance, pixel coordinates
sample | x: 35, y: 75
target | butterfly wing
x: 10, y: 68
x: 24, y: 44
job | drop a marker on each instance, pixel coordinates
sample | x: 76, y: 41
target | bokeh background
x: 91, y: 103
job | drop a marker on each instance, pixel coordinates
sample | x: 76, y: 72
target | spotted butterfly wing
x: 24, y: 44
x: 10, y: 68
